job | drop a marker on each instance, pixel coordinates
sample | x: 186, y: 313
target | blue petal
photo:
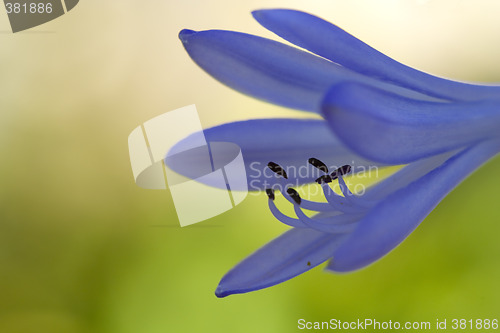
x: 291, y: 254
x: 403, y: 177
x: 392, y: 129
x: 331, y: 42
x: 288, y: 142
x: 391, y: 221
x: 269, y: 70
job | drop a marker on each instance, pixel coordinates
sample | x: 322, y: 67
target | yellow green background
x: 83, y: 249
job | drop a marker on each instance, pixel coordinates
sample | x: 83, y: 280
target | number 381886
x: 28, y: 8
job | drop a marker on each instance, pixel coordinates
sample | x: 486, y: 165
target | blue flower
x: 375, y: 111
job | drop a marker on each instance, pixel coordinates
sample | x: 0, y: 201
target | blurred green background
x: 83, y: 249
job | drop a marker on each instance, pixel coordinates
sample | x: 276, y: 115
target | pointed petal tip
x: 257, y: 14
x: 184, y: 34
x: 221, y: 293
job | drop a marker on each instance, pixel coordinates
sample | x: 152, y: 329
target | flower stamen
x: 279, y: 215
x: 318, y: 164
x: 270, y: 193
x: 323, y: 168
x: 343, y: 170
x: 336, y: 222
x: 338, y: 212
x: 294, y: 195
x: 339, y: 223
x: 324, y: 179
x: 307, y: 204
x: 276, y: 168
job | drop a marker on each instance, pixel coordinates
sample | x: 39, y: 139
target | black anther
x: 276, y: 168
x: 294, y: 195
x: 270, y: 193
x: 343, y: 170
x: 318, y: 164
x: 324, y: 179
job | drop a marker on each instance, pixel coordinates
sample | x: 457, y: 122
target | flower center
x: 338, y: 215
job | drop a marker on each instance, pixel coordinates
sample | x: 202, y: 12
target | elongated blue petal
x: 392, y: 129
x: 293, y: 253
x: 269, y: 70
x: 331, y: 42
x: 288, y: 142
x: 390, y: 222
x: 405, y: 176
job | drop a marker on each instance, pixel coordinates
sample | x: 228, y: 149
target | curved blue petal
x: 331, y: 42
x: 392, y: 129
x: 288, y: 142
x: 403, y: 177
x: 391, y: 221
x: 269, y: 70
x: 293, y: 253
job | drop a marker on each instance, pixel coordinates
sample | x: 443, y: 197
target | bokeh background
x: 83, y: 249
